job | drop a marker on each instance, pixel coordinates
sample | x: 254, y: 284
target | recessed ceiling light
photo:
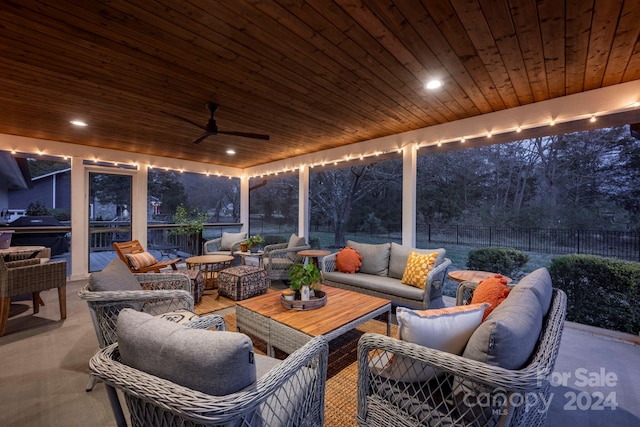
x: 231, y: 152
x: 433, y: 84
x: 78, y: 123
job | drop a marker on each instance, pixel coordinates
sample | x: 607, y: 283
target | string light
x: 417, y: 145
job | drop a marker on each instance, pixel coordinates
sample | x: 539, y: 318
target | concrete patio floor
x: 44, y: 372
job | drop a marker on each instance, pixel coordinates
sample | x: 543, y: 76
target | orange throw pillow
x: 348, y: 260
x: 493, y: 290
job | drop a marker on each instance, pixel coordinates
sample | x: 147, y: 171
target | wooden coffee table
x: 209, y: 265
x: 265, y: 318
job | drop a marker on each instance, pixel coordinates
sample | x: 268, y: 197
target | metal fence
x: 614, y: 244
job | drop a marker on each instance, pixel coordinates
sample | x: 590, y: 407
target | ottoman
x: 197, y: 283
x: 242, y: 282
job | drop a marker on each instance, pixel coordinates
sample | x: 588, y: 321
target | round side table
x: 472, y: 276
x: 209, y: 265
x: 314, y: 254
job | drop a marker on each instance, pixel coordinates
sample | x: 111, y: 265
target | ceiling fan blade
x: 245, y: 134
x: 202, y: 137
x: 185, y: 120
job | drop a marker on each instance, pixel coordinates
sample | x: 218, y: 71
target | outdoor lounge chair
x: 163, y: 293
x: 278, y: 258
x: 140, y: 261
x: 277, y: 393
x: 461, y: 390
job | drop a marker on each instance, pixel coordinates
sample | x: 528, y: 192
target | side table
x: 472, y: 276
x: 248, y: 254
x: 209, y: 265
x: 314, y: 254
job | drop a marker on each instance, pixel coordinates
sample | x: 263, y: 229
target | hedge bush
x: 505, y: 261
x: 602, y: 292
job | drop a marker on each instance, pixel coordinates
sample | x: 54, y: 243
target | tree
x: 335, y: 191
x: 165, y: 186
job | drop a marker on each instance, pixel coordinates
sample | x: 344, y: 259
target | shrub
x: 505, y: 261
x: 314, y: 242
x: 37, y: 208
x: 602, y: 292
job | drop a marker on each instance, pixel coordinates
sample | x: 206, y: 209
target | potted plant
x: 190, y: 223
x: 301, y: 276
x: 253, y: 242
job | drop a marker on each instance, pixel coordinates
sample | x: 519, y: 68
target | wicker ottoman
x: 197, y: 284
x: 242, y: 282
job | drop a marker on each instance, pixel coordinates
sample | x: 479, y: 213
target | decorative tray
x: 315, y: 302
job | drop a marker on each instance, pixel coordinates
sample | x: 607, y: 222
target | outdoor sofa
x: 381, y: 272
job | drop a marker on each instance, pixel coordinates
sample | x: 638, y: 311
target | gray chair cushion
x: 509, y: 334
x: 216, y: 363
x: 539, y: 281
x: 400, y: 254
x: 295, y: 242
x: 116, y: 276
x: 375, y: 258
x: 228, y: 239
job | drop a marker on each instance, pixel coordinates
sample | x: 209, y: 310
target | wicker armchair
x: 278, y: 398
x: 164, y: 293
x: 280, y: 257
x: 31, y: 276
x: 515, y: 397
x: 214, y: 247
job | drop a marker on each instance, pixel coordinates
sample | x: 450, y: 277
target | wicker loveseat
x: 381, y: 273
x: 218, y: 385
x: 468, y: 390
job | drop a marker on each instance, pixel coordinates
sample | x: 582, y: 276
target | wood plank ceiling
x: 313, y: 74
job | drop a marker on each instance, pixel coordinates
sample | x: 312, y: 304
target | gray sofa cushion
x: 375, y: 258
x: 509, y: 334
x: 383, y: 284
x: 539, y: 282
x: 116, y: 276
x: 216, y: 363
x: 399, y: 255
x: 228, y: 240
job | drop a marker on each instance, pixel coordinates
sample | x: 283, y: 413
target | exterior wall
x: 43, y: 191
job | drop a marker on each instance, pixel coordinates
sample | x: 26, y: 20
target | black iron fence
x: 614, y: 244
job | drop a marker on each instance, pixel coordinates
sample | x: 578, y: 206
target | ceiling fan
x: 211, y: 127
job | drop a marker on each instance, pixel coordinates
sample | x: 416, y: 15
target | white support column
x: 244, y: 203
x: 303, y: 202
x: 409, y: 182
x: 79, y: 220
x: 139, y: 200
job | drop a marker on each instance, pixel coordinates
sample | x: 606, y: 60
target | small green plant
x: 303, y: 275
x: 189, y: 222
x: 254, y: 241
x: 505, y: 261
